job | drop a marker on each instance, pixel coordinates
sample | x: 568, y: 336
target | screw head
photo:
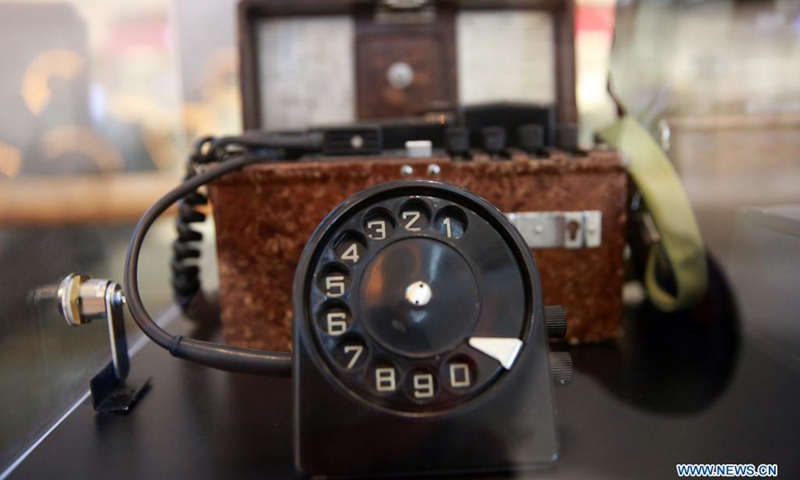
x: 434, y: 169
x: 406, y: 170
x: 400, y: 75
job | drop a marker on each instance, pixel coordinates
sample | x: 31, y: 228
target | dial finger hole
x: 383, y: 377
x: 335, y: 318
x: 351, y: 353
x: 334, y: 280
x: 414, y: 215
x: 351, y: 247
x: 451, y: 222
x: 422, y: 385
x: 379, y: 224
x: 459, y: 374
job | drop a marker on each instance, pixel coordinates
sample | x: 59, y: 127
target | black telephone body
x: 420, y: 340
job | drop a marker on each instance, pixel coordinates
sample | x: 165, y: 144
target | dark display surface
x: 676, y: 390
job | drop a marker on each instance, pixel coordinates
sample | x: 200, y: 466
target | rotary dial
x: 418, y: 298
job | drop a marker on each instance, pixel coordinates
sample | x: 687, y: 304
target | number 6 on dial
x: 337, y: 323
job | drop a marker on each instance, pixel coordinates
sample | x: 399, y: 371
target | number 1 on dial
x: 447, y: 227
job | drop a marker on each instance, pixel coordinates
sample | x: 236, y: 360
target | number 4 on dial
x: 351, y: 253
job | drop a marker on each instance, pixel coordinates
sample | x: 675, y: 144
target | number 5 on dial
x: 335, y: 286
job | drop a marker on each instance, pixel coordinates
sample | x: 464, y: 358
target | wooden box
x: 265, y: 214
x: 307, y: 63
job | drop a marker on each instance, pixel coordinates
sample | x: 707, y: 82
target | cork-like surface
x: 265, y: 214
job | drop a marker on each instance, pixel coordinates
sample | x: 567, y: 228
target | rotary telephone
x: 420, y: 334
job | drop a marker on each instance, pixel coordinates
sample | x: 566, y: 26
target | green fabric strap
x: 681, y: 244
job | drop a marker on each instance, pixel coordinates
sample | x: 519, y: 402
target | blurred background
x: 101, y: 102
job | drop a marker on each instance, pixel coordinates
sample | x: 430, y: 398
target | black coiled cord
x: 185, y: 249
x: 246, y: 150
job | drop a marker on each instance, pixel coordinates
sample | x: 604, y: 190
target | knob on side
x: 561, y: 368
x: 555, y: 317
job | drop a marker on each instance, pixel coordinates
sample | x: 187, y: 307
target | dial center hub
x: 418, y: 294
x: 397, y: 304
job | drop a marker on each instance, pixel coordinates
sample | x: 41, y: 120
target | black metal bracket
x: 81, y: 300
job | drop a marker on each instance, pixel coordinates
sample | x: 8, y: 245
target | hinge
x: 570, y: 230
x: 405, y: 11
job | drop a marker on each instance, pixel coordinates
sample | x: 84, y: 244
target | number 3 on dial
x: 376, y: 229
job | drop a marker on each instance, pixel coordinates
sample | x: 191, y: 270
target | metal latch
x: 570, y: 230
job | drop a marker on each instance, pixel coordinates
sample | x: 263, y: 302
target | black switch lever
x: 456, y: 142
x: 567, y: 137
x: 494, y: 140
x: 530, y: 138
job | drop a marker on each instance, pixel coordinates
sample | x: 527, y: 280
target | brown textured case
x: 265, y: 214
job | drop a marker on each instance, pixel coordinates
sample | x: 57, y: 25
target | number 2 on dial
x: 413, y: 216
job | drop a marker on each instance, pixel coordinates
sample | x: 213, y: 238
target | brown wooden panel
x: 265, y: 214
x: 429, y: 49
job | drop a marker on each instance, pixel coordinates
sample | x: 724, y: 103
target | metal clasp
x: 571, y: 230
